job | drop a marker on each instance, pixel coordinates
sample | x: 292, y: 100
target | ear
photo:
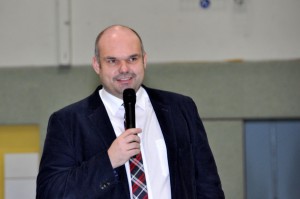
x: 145, y: 60
x: 96, y: 65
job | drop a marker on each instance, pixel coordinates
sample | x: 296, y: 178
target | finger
x: 132, y: 138
x: 132, y: 131
x: 133, y: 152
x: 133, y: 148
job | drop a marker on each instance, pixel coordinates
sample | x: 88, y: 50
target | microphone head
x: 129, y: 96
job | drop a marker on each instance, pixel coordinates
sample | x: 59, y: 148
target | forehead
x: 119, y: 41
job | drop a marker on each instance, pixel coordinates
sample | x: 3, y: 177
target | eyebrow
x: 130, y: 56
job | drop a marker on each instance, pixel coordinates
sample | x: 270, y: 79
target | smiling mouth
x: 124, y: 78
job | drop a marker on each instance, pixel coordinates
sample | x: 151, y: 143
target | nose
x: 123, y: 67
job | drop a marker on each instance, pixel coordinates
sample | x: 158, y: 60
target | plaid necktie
x: 138, y: 178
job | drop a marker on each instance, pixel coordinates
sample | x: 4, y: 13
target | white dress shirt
x: 153, y: 146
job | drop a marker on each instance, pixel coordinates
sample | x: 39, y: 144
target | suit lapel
x: 164, y: 113
x: 103, y: 128
x: 100, y: 119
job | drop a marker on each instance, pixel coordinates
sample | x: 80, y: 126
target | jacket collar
x: 100, y: 118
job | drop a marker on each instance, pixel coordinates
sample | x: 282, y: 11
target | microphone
x: 129, y: 99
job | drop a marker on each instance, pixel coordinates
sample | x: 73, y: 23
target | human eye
x: 111, y: 61
x: 133, y: 59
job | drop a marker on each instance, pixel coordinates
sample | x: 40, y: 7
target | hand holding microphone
x: 128, y: 143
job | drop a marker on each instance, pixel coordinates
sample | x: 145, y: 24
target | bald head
x: 115, y: 32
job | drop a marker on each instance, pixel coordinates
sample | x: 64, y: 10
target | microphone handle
x: 130, y: 115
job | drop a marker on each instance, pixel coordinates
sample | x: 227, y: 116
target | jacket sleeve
x: 63, y: 174
x: 208, y: 184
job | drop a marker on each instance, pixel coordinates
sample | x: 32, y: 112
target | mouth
x: 124, y: 79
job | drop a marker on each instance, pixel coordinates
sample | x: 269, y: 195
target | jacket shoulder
x: 169, y: 96
x: 82, y: 106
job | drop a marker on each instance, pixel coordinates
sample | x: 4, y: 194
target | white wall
x: 38, y: 32
x: 27, y: 33
x: 20, y: 173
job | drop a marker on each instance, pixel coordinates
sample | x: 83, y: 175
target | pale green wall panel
x: 226, y: 140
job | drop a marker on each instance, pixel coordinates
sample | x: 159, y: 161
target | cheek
x: 141, y: 71
x: 107, y: 73
x: 109, y: 76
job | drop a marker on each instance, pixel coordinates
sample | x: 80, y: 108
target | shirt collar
x: 113, y: 103
x: 142, y: 98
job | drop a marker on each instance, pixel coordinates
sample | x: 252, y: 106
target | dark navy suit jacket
x: 75, y: 163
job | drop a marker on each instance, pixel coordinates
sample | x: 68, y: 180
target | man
x: 89, y: 154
